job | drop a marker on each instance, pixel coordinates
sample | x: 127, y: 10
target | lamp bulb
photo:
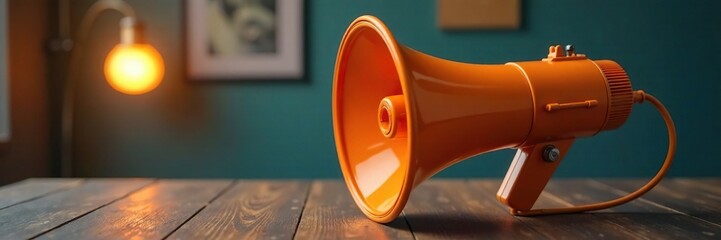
x: 134, y: 68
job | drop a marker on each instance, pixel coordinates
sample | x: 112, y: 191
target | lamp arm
x: 98, y: 8
x: 68, y: 102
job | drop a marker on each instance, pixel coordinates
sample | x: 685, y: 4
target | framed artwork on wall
x: 244, y: 39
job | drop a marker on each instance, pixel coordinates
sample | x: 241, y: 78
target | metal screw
x: 570, y: 51
x: 551, y: 153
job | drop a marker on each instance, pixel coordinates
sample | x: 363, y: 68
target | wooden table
x: 323, y: 209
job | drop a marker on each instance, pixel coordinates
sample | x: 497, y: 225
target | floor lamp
x: 131, y: 67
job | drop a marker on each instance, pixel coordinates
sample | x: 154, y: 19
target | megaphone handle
x: 639, y: 96
x: 530, y: 170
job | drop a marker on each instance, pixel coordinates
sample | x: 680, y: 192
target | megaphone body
x: 400, y: 116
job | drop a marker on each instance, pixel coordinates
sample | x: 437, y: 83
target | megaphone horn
x: 400, y: 116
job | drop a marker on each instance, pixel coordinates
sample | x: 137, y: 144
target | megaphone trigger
x: 530, y: 170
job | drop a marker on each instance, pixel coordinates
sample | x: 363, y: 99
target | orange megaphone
x: 400, y: 116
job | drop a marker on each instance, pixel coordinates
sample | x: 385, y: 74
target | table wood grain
x: 96, y: 208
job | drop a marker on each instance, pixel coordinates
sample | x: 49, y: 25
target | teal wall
x: 283, y: 129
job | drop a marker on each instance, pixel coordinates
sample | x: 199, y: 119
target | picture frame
x: 244, y: 39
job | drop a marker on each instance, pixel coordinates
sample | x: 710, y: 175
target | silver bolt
x: 551, y: 153
x: 570, y: 51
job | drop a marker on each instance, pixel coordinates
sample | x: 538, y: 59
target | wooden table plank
x: 708, y: 184
x: 438, y: 209
x: 33, y: 188
x: 331, y: 213
x: 569, y: 226
x: 151, y: 213
x: 708, y: 190
x: 691, y: 197
x: 452, y: 209
x: 35, y: 217
x: 644, y: 219
x: 250, y: 209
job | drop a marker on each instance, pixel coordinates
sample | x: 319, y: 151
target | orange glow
x: 134, y: 68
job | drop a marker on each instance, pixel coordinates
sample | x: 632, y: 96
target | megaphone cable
x: 639, y: 97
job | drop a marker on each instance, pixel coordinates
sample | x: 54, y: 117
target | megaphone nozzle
x: 392, y: 117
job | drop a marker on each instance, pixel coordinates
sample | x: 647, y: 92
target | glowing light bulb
x: 134, y: 68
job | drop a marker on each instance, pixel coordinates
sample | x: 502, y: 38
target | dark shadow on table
x: 455, y: 225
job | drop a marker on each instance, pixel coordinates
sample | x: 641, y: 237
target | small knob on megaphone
x: 392, y: 116
x: 551, y: 153
x: 570, y: 50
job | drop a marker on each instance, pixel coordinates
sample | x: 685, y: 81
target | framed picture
x: 244, y: 39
